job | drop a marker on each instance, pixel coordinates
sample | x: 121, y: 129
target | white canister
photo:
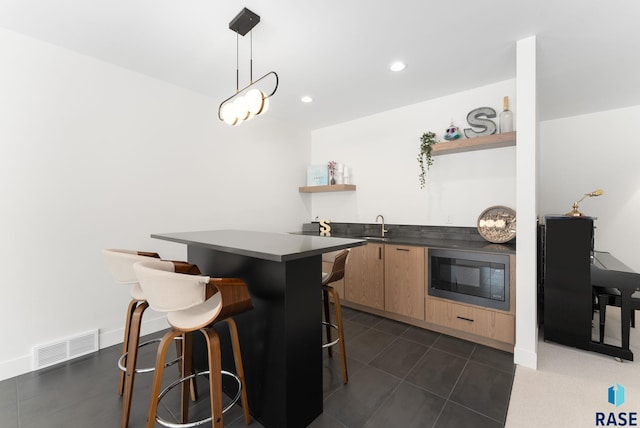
x: 347, y: 176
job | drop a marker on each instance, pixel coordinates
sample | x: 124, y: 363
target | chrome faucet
x: 380, y: 216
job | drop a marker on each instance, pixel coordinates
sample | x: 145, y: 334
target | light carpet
x: 571, y: 385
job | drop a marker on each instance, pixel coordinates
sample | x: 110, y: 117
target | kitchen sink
x: 374, y: 238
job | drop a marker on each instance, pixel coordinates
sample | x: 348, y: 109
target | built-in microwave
x: 470, y: 277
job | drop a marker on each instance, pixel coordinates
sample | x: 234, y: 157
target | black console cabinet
x: 568, y: 299
x: 571, y: 270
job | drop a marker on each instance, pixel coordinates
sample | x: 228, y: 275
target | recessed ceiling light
x: 306, y: 99
x: 397, y: 66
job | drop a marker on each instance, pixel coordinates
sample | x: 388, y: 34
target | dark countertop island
x: 281, y: 338
x: 278, y: 247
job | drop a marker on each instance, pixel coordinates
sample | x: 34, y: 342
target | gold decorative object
x: 497, y: 224
x: 574, y: 212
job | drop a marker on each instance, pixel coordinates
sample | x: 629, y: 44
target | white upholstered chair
x: 120, y: 264
x: 194, y: 303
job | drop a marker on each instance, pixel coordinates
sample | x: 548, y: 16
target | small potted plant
x: 332, y: 172
x: 427, y: 140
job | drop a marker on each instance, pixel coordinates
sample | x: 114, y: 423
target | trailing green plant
x: 427, y: 140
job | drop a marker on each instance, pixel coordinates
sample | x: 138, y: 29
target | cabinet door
x: 364, y: 276
x: 404, y: 280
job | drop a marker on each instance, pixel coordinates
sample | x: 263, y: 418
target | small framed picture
x: 317, y: 175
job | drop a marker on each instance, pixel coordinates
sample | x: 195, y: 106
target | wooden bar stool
x: 194, y: 303
x: 336, y: 274
x: 120, y: 264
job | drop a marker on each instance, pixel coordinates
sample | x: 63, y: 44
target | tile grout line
x: 453, y: 387
x: 402, y: 379
x: 461, y: 371
x: 456, y: 384
x: 510, y: 373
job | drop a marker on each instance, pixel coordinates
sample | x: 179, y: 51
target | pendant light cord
x: 251, y: 57
x: 250, y: 60
x: 237, y: 66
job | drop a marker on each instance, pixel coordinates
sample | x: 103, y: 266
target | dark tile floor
x: 399, y: 376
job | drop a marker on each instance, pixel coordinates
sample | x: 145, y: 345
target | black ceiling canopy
x: 244, y: 22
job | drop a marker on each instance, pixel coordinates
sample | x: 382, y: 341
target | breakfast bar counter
x: 281, y: 339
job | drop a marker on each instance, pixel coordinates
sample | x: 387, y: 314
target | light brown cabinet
x: 404, y: 280
x: 364, y: 276
x: 495, y: 325
x: 387, y: 277
x: 481, y: 322
x: 391, y: 281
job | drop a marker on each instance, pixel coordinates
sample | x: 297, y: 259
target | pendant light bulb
x: 265, y: 106
x: 255, y: 101
x: 228, y: 114
x: 240, y: 105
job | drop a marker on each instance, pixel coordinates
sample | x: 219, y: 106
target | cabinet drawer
x: 482, y: 322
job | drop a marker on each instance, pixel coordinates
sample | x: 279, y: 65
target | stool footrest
x: 202, y: 421
x: 123, y: 357
x: 335, y: 342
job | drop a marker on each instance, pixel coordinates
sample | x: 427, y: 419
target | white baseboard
x: 18, y: 366
x: 21, y: 365
x: 114, y: 337
x: 525, y: 357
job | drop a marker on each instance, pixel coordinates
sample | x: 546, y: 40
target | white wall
x: 382, y: 151
x: 526, y: 348
x: 95, y: 156
x: 584, y: 153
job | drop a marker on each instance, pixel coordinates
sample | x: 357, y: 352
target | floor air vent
x: 65, y: 349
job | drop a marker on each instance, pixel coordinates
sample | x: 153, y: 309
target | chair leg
x: 215, y: 376
x: 237, y: 356
x: 125, y: 342
x: 187, y: 370
x: 327, y: 317
x: 132, y: 358
x: 192, y: 383
x: 161, y: 356
x: 343, y: 352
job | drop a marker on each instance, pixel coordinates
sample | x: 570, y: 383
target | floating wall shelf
x: 493, y: 141
x: 328, y: 188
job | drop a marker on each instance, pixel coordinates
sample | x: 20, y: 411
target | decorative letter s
x: 325, y: 228
x: 475, y: 119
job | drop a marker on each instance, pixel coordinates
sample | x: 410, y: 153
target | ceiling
x: 339, y: 51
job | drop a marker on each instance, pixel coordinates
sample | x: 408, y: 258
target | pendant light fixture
x: 249, y: 101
